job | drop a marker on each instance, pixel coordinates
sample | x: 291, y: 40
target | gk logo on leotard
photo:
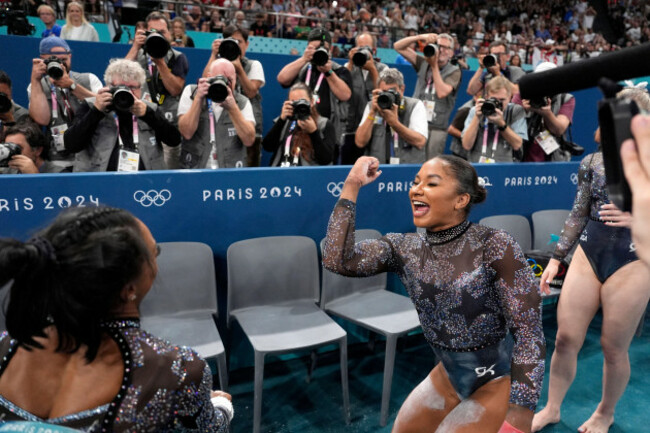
x: 335, y: 188
x: 632, y: 247
x: 482, y: 371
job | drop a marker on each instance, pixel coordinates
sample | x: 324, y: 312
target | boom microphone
x: 618, y: 65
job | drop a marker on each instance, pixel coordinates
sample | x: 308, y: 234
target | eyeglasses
x: 442, y: 47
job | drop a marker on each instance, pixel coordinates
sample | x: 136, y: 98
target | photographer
x: 365, y: 76
x: 250, y: 77
x: 216, y: 121
x: 27, y: 157
x: 393, y: 125
x: 547, y: 121
x: 56, y: 94
x: 494, y: 127
x: 437, y: 84
x: 300, y: 136
x: 120, y: 131
x: 495, y: 65
x: 330, y: 82
x: 10, y: 112
x: 165, y: 70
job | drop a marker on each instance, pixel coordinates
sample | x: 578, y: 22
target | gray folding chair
x: 182, y: 304
x: 547, y: 227
x: 366, y: 303
x: 516, y: 225
x: 272, y: 293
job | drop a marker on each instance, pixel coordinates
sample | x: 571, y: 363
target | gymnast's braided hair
x: 70, y: 276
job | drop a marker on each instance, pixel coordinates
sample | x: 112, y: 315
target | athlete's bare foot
x: 598, y: 423
x: 545, y: 417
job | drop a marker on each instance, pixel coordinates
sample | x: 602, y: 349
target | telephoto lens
x: 362, y: 55
x: 123, y: 99
x: 321, y: 57
x: 229, y: 49
x: 218, y: 90
x: 7, y: 150
x: 54, y: 67
x: 489, y: 60
x: 430, y: 50
x: 156, y: 45
x: 301, y: 109
x: 387, y: 99
x: 490, y: 106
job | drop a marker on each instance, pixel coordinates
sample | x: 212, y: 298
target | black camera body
x: 362, y: 55
x: 540, y: 102
x: 430, y: 50
x: 54, y: 67
x: 218, y: 90
x: 156, y: 45
x: 454, y: 60
x: 16, y: 22
x: 301, y: 109
x: 229, y: 49
x: 388, y: 98
x: 7, y: 150
x: 321, y: 56
x: 5, y: 103
x: 490, y: 106
x: 490, y: 60
x: 123, y: 99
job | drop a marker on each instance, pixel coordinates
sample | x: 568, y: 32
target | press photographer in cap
x: 330, y: 82
x: 250, y: 77
x: 120, y: 131
x: 394, y: 127
x: 548, y: 120
x: 216, y: 121
x: 495, y: 128
x: 56, y: 93
x: 24, y: 151
x: 437, y: 83
x: 10, y: 112
x: 165, y: 68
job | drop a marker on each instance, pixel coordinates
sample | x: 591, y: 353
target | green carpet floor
x: 290, y: 404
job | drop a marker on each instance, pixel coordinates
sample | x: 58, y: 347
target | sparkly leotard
x: 164, y: 388
x: 607, y: 248
x: 470, y: 285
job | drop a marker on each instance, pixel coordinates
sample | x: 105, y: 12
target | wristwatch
x: 73, y: 86
x: 328, y: 73
x: 502, y: 128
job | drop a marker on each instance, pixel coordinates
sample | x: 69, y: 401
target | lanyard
x: 395, y: 137
x: 429, y: 86
x: 320, y: 78
x: 287, y: 143
x: 213, y: 162
x: 136, y: 134
x: 150, y: 65
x: 213, y: 137
x: 55, y: 103
x: 485, y: 137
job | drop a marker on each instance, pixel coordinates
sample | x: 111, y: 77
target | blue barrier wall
x: 224, y: 206
x: 94, y: 57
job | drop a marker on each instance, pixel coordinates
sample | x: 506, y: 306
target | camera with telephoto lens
x: 489, y: 60
x: 430, y: 50
x: 490, y: 106
x: 156, y: 45
x: 540, y: 102
x: 7, y: 150
x: 301, y: 109
x: 229, y: 49
x: 123, y: 99
x: 218, y: 90
x: 54, y: 67
x: 388, y: 98
x: 5, y: 103
x: 321, y: 56
x: 454, y: 60
x: 362, y: 55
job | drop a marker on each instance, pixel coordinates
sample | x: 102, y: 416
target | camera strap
x: 485, y: 139
x: 55, y: 103
x: 213, y: 162
x: 136, y: 131
x: 287, y: 143
x: 318, y: 83
x: 428, y: 88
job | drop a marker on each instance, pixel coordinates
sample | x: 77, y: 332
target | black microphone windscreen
x: 618, y: 65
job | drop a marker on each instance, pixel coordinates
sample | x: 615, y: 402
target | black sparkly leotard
x: 470, y: 285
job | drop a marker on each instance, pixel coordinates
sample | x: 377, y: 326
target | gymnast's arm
x: 340, y: 253
x: 522, y: 308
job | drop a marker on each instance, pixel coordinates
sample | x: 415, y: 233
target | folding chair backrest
x: 516, y: 225
x: 547, y: 227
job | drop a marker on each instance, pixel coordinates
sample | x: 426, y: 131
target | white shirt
x: 256, y: 72
x: 418, y: 121
x: 186, y: 102
x: 84, y: 32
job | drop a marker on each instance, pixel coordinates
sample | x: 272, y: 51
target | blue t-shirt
x: 55, y: 30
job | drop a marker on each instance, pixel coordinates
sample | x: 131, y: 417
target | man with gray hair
x: 394, y: 127
x: 119, y: 131
x: 437, y: 83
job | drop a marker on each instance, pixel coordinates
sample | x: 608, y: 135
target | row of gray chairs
x: 273, y: 294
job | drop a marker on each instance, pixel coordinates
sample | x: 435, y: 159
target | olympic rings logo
x: 335, y: 188
x: 538, y: 270
x: 574, y: 178
x: 152, y: 197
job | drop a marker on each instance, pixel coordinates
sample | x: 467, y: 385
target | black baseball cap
x: 320, y: 34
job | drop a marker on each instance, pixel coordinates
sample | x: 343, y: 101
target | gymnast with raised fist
x: 471, y: 286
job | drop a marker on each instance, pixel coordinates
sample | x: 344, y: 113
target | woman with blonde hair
x: 180, y: 38
x: 76, y: 27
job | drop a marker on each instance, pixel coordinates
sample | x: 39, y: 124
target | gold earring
x: 132, y: 297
